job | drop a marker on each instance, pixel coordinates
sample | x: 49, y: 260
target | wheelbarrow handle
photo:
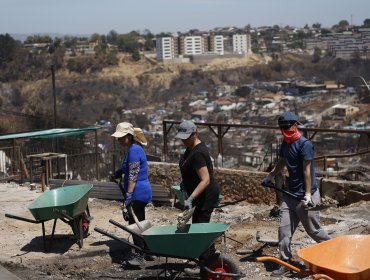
x: 22, y: 219
x: 283, y: 263
x: 321, y: 276
x: 118, y: 239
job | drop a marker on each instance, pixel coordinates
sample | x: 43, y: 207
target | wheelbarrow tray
x: 342, y: 258
x: 180, y: 196
x: 69, y: 201
x: 189, y: 243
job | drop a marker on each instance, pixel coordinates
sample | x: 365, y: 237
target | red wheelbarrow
x: 342, y: 258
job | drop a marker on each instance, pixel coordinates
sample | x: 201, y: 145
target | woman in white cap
x: 198, y: 181
x: 136, y: 185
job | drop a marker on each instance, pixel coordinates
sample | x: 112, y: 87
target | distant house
x: 333, y: 85
x: 341, y: 110
x: 306, y: 88
x: 199, y: 115
x: 37, y: 47
x: 224, y: 101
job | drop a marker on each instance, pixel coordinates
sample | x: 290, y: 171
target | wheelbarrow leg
x: 43, y: 236
x: 165, y: 271
x: 54, y: 225
x: 77, y: 229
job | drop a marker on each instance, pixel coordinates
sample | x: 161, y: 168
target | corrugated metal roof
x: 49, y: 133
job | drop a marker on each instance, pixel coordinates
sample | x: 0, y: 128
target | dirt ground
x: 101, y: 257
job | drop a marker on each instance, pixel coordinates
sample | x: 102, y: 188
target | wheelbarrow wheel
x: 85, y: 224
x: 219, y: 263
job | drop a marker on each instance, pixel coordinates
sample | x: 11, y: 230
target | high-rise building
x: 193, y: 45
x: 242, y: 44
x: 180, y: 47
x: 216, y: 44
x: 165, y: 48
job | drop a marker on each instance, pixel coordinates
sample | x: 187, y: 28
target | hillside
x: 83, y: 99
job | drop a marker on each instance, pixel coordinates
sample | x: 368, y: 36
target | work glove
x: 128, y: 199
x: 307, y: 201
x: 267, y: 181
x: 125, y: 214
x: 188, y: 204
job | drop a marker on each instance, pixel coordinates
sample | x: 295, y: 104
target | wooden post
x: 43, y: 187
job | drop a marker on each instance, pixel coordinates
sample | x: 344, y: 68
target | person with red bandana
x: 297, y: 154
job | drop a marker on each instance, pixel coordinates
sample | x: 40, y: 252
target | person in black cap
x: 297, y: 154
x: 200, y: 186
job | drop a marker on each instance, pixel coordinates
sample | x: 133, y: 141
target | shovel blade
x: 141, y: 227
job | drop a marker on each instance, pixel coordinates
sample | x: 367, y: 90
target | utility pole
x: 54, y: 94
x: 51, y: 50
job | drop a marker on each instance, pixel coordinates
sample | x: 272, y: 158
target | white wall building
x: 165, y: 48
x: 218, y: 44
x: 241, y: 43
x: 193, y: 45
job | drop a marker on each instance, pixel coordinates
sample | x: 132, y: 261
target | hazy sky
x: 102, y: 16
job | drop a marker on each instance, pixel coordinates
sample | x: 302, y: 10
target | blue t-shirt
x: 295, y: 154
x: 135, y: 168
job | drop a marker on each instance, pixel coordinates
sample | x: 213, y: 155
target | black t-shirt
x: 190, y: 162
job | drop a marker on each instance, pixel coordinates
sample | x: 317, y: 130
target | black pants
x: 204, y: 216
x: 139, y: 209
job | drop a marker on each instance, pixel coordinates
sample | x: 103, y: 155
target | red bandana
x: 290, y: 135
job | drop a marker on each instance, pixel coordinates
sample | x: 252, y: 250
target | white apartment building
x: 217, y: 44
x: 193, y: 45
x: 241, y: 43
x: 165, y: 48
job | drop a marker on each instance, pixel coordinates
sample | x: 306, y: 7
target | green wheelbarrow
x: 180, y: 196
x: 69, y: 204
x: 188, y: 243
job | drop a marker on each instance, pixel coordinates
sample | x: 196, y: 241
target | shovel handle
x: 272, y: 186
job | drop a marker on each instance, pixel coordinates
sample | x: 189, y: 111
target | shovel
x: 310, y: 206
x: 138, y: 226
x: 183, y: 218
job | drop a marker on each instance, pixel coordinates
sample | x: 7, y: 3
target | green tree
x: 57, y: 42
x: 58, y: 57
x: 341, y: 26
x: 112, y: 58
x: 70, y: 42
x: 276, y: 28
x: 35, y: 39
x: 135, y: 55
x: 367, y: 22
x: 325, y: 31
x: 9, y: 48
x: 148, y: 37
x: 343, y: 23
x: 95, y: 38
x: 128, y: 43
x: 112, y: 37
